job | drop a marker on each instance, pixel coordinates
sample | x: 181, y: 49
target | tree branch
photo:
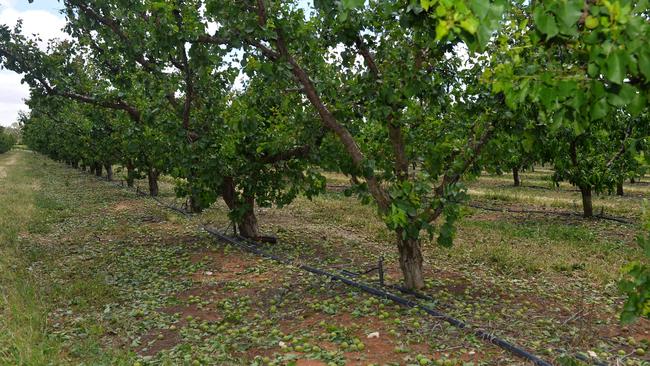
x: 297, y: 152
x: 394, y: 131
x: 621, y: 151
x: 187, y: 71
x: 114, y: 26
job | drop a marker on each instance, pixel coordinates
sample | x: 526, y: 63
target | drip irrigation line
x: 482, y: 334
x: 558, y: 213
x: 138, y: 192
x: 584, y: 358
x: 496, y: 209
x: 532, y: 186
x: 560, y: 189
x: 378, y: 292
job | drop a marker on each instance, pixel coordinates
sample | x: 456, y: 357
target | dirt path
x: 6, y: 160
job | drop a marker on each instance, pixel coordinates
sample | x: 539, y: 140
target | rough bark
x: 327, y: 117
x: 587, y: 207
x: 109, y: 171
x: 619, y: 189
x: 247, y: 224
x: 130, y: 175
x: 410, y: 261
x: 152, y: 176
x: 515, y: 176
x: 194, y: 203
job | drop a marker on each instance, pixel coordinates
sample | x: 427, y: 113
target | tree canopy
x: 248, y: 100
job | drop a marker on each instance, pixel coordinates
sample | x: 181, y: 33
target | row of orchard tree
x: 247, y: 100
x: 7, y: 140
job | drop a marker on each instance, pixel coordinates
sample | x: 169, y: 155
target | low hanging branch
x: 297, y: 152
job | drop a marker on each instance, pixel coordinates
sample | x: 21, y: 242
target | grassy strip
x: 23, y: 338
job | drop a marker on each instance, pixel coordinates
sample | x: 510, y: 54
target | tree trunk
x: 410, y: 261
x: 515, y: 176
x: 194, y: 204
x: 632, y: 181
x: 587, y: 208
x: 247, y: 223
x: 248, y: 227
x: 130, y: 175
x: 109, y: 171
x: 194, y: 201
x: 75, y: 164
x: 619, y: 189
x: 152, y: 176
x: 98, y: 170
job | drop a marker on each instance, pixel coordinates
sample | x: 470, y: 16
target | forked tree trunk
x: 619, y: 189
x: 109, y: 171
x: 247, y: 223
x: 410, y: 261
x: 515, y: 176
x: 587, y: 208
x: 152, y: 176
x: 130, y: 175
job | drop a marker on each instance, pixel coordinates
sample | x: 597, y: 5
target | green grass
x: 33, y: 275
x: 88, y: 271
x: 23, y: 336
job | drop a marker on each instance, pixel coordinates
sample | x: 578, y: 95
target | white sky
x: 42, y: 18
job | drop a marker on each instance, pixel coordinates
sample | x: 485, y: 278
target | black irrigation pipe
x: 558, y: 213
x: 560, y: 189
x: 584, y: 358
x: 422, y: 296
x: 138, y: 192
x: 537, y: 187
x: 482, y: 334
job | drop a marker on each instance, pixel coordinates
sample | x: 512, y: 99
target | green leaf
x: 624, y: 96
x: 599, y: 109
x: 616, y: 67
x: 441, y: 11
x: 637, y: 105
x: 644, y: 64
x: 484, y: 34
x: 545, y: 22
x: 628, y: 317
x: 426, y: 4
x: 469, y: 24
x: 352, y: 4
x: 570, y: 12
x: 480, y: 8
x: 442, y: 29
